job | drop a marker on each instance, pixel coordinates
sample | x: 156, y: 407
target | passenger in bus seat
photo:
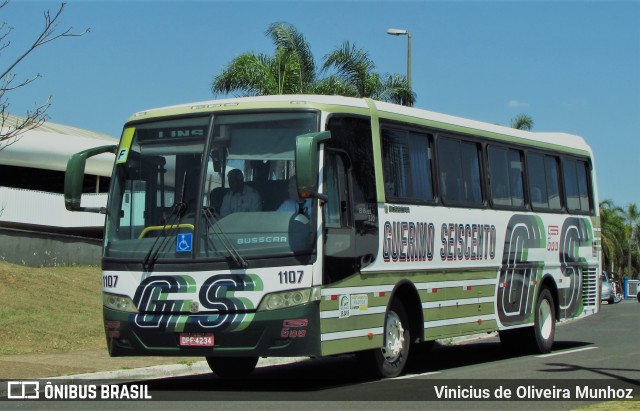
x: 240, y: 197
x: 215, y: 198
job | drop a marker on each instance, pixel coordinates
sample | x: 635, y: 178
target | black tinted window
x: 505, y: 177
x: 543, y: 181
x: 459, y: 168
x: 576, y: 185
x: 407, y: 164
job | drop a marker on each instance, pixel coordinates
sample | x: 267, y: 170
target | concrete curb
x: 165, y: 371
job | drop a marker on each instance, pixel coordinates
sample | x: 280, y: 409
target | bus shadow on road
x: 340, y: 371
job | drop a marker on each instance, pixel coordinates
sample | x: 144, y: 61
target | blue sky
x: 574, y: 66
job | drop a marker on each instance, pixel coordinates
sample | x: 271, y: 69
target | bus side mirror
x: 74, y: 177
x: 306, y: 157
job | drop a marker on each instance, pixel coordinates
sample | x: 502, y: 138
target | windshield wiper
x: 224, y: 238
x: 173, y: 223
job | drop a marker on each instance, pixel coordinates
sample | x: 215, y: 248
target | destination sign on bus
x: 198, y: 132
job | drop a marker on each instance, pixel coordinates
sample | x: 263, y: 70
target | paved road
x: 595, y: 355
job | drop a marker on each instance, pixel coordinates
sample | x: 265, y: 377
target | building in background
x: 35, y: 227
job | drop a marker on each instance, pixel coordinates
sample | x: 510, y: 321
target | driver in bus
x: 292, y: 204
x: 240, y: 197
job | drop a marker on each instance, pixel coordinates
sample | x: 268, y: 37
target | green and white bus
x: 409, y: 226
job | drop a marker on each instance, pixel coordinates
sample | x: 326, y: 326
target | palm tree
x: 289, y: 41
x: 631, y: 217
x: 291, y: 70
x: 522, y: 122
x: 396, y: 90
x: 612, y: 232
x: 332, y: 85
x: 354, y: 70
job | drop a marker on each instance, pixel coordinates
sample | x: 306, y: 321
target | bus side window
x: 576, y: 185
x: 553, y: 182
x: 471, y: 172
x: 459, y: 168
x: 407, y: 165
x: 505, y: 177
x: 544, y: 181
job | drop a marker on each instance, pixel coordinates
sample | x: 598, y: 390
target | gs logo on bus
x: 519, y: 275
x: 160, y: 309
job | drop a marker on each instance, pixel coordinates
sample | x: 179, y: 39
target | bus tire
x: 390, y: 360
x: 537, y: 339
x: 545, y: 322
x: 232, y: 367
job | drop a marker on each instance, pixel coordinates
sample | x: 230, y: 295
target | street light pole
x: 403, y: 32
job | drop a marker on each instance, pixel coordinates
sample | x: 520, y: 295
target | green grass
x: 50, y: 309
x: 614, y: 406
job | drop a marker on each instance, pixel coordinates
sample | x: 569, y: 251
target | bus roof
x: 384, y: 110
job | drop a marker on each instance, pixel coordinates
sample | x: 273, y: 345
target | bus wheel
x: 537, y: 339
x: 232, y: 367
x: 545, y: 322
x: 390, y: 360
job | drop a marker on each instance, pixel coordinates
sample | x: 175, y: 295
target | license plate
x: 196, y: 340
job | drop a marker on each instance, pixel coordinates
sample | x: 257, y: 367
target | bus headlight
x: 118, y: 302
x: 286, y: 299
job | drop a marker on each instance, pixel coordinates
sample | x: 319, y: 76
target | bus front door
x: 339, y: 233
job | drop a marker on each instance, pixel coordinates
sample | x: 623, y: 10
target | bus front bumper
x: 293, y: 331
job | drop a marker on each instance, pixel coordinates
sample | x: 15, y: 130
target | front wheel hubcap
x: 394, y: 338
x: 546, y: 319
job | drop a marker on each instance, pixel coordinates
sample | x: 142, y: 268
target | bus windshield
x: 220, y: 188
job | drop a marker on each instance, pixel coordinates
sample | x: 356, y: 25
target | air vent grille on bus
x: 590, y: 287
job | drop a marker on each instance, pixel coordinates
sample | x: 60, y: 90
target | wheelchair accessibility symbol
x: 184, y: 242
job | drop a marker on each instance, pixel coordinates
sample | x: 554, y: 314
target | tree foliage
x: 12, y: 127
x: 612, y: 225
x: 354, y: 68
x: 522, y: 122
x: 631, y: 215
x: 620, y: 237
x: 292, y: 70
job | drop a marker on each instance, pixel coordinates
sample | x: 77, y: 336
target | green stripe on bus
x: 458, y: 311
x: 457, y: 293
x: 331, y: 325
x: 391, y: 278
x: 348, y: 345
